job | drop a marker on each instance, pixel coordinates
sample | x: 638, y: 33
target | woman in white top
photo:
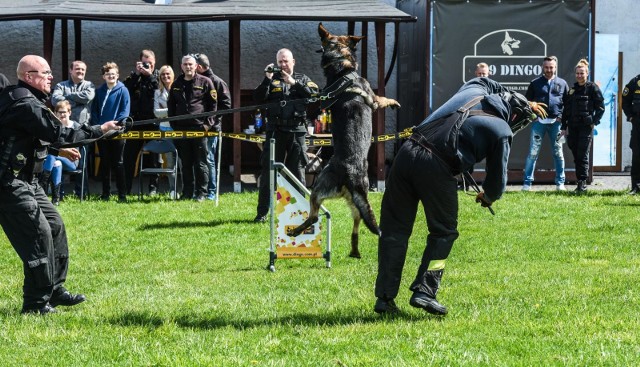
x: 160, y: 110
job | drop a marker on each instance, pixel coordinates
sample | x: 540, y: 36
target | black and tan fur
x: 346, y: 173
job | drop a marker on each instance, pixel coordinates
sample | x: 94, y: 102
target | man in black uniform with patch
x: 631, y: 108
x: 192, y: 94
x: 30, y: 221
x: 425, y: 170
x: 287, y: 125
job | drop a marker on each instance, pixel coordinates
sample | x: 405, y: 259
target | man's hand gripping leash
x: 480, y: 198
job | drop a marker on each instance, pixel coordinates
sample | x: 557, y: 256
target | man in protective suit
x: 444, y: 145
x: 30, y: 221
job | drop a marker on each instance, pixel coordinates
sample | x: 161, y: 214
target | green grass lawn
x: 552, y: 279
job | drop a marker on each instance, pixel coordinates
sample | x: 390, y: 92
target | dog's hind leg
x: 355, y: 251
x: 361, y: 202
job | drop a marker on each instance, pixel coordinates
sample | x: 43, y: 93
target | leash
x: 474, y: 184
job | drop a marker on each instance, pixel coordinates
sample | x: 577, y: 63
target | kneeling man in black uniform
x: 444, y: 145
x: 30, y: 221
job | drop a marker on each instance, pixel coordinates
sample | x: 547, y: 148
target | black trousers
x: 579, y: 142
x: 416, y: 176
x: 37, y: 233
x: 634, y: 144
x: 195, y: 169
x: 291, y: 150
x: 111, y: 161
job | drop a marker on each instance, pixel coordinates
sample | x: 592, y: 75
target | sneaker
x: 172, y: 194
x: 385, y: 307
x: 153, y: 192
x: 561, y: 187
x: 200, y: 198
x: 211, y: 197
x: 526, y: 187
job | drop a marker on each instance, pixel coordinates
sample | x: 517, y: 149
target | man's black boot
x: 582, y: 186
x: 38, y: 309
x: 385, y: 306
x: 424, y: 293
x: 67, y: 299
x: 635, y: 189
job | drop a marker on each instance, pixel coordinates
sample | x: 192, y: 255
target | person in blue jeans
x: 224, y: 103
x: 55, y: 165
x: 550, y: 90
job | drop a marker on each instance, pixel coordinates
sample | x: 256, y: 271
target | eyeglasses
x: 45, y: 73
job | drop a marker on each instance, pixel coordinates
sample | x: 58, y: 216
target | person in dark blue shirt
x: 424, y: 171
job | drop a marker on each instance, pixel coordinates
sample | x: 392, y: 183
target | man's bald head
x: 36, y: 72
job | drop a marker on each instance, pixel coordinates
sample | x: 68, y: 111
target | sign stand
x: 288, y: 208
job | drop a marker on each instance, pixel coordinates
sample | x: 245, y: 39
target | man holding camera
x: 287, y: 125
x: 142, y: 84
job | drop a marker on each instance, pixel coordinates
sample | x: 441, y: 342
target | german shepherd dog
x: 346, y: 173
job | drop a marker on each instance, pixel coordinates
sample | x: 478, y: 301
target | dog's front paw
x: 384, y: 102
x: 394, y: 104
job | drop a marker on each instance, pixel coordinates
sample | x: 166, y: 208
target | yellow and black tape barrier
x: 254, y: 138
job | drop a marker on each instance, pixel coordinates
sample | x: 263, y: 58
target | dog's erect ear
x: 353, y: 41
x: 323, y: 32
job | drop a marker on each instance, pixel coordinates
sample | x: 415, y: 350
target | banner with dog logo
x: 290, y: 210
x: 512, y: 37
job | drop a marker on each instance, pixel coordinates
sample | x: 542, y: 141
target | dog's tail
x: 361, y: 203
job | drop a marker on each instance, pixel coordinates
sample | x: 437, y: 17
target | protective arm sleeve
x: 495, y: 181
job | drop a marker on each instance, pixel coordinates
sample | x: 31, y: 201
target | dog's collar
x: 339, y: 85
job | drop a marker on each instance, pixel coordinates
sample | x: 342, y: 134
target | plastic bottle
x: 323, y: 120
x: 258, y: 121
x: 329, y: 121
x: 318, y: 122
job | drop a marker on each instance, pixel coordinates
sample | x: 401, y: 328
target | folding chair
x: 164, y: 146
x: 81, y: 171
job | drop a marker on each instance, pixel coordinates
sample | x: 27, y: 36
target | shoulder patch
x: 20, y: 93
x: 571, y: 91
x: 625, y: 91
x: 638, y: 83
x: 311, y: 84
x: 275, y: 82
x: 214, y: 94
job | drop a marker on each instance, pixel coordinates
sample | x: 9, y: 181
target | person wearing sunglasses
x: 30, y: 221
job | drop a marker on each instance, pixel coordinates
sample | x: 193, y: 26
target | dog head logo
x: 338, y: 52
x: 509, y: 44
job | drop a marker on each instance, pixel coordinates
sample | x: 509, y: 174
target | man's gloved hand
x: 540, y: 109
x: 480, y: 198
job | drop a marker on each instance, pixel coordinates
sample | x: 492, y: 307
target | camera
x: 146, y: 65
x: 273, y: 69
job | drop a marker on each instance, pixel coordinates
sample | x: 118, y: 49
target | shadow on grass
x: 206, y: 322
x: 211, y: 223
